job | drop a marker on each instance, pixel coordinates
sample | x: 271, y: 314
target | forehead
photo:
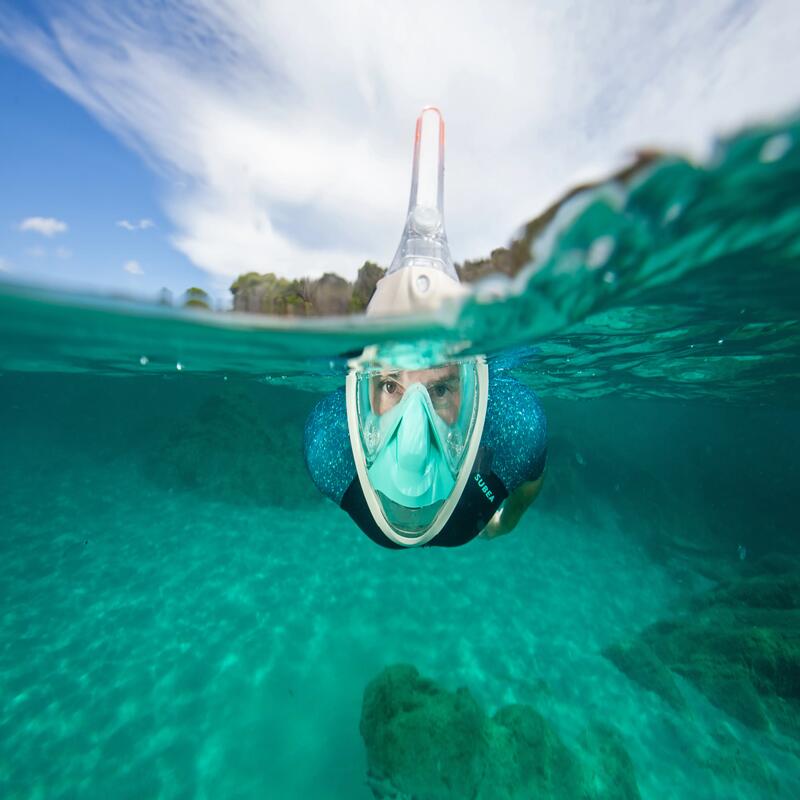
x: 445, y: 373
x: 448, y: 372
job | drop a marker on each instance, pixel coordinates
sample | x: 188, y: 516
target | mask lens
x: 450, y: 397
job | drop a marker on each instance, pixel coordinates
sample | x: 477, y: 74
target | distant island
x: 332, y: 295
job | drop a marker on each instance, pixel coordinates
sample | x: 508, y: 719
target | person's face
x: 443, y: 385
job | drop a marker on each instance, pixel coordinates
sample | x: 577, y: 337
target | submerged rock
x: 430, y: 744
x: 423, y: 739
x: 740, y: 646
x: 640, y: 663
x: 609, y: 769
x: 231, y: 448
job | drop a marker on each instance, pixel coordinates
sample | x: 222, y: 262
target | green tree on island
x: 196, y: 298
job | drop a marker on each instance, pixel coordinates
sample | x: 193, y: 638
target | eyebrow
x: 449, y: 380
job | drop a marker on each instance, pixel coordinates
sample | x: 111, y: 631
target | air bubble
x: 600, y: 251
x: 144, y: 361
x: 372, y: 436
x: 455, y: 442
x: 672, y: 213
x: 775, y: 148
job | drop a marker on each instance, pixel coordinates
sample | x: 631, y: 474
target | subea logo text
x: 484, y: 488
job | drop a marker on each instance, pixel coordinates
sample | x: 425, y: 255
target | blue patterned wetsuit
x: 514, y: 434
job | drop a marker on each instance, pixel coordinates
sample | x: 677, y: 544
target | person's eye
x: 390, y: 387
x: 439, y: 391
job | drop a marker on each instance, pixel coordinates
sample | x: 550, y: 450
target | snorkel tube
x: 422, y: 274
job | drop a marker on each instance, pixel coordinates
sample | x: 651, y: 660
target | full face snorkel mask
x: 415, y: 430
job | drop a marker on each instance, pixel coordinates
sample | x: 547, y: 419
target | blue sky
x: 64, y: 166
x: 250, y: 137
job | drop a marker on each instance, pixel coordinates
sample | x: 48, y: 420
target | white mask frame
x: 406, y: 538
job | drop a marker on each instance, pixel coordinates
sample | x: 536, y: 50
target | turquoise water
x: 184, y: 616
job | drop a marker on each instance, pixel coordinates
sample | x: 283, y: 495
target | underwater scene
x: 185, y: 615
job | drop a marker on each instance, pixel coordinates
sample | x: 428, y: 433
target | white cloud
x: 133, y: 267
x: 36, y: 252
x: 63, y: 252
x: 5, y: 265
x: 286, y: 145
x: 141, y: 225
x: 47, y: 226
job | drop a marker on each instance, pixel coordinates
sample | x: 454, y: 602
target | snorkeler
x: 417, y: 454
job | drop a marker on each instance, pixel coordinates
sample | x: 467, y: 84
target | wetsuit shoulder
x: 326, y: 446
x: 515, y: 431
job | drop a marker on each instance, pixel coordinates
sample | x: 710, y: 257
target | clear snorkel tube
x: 424, y: 241
x: 422, y: 273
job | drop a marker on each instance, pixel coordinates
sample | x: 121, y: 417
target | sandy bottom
x: 158, y: 645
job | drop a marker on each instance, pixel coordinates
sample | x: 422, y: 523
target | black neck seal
x: 482, y: 496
